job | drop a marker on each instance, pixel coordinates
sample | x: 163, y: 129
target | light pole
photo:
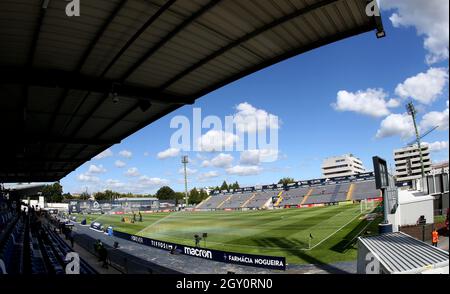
x: 184, y: 161
x: 412, y: 111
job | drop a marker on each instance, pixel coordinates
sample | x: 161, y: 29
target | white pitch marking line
x: 308, y: 249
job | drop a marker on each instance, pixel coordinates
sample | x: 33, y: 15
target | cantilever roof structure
x: 73, y: 86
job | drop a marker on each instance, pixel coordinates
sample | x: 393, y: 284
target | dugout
x: 399, y: 253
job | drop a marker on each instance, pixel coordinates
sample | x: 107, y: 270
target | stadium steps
x: 248, y: 200
x: 335, y: 193
x: 203, y: 202
x: 350, y: 192
x: 307, y: 196
x: 223, y: 202
x: 280, y: 198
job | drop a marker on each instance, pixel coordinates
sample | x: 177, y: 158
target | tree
x: 179, y: 196
x: 166, y: 193
x: 68, y: 196
x: 53, y: 193
x: 203, y: 195
x: 106, y: 195
x: 194, y: 196
x: 224, y: 186
x: 286, y: 181
x: 234, y: 186
x: 85, y: 196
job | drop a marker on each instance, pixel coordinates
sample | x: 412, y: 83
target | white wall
x: 410, y: 212
x: 60, y: 206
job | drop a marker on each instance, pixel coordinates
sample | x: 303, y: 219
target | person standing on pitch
x: 435, y: 238
x: 197, y: 240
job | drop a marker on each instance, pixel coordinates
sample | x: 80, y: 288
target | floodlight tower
x: 184, y: 161
x: 412, y: 111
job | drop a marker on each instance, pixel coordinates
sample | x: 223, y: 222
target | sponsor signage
x: 262, y: 261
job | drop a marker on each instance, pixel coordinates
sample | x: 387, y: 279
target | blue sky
x: 347, y: 97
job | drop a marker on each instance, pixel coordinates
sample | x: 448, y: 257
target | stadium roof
x: 73, y: 86
x: 401, y: 253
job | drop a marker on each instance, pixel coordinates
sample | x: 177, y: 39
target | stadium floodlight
x: 412, y: 111
x: 185, y: 161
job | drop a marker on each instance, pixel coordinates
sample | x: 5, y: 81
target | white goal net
x: 367, y: 205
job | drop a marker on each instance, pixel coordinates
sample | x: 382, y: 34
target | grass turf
x: 282, y: 232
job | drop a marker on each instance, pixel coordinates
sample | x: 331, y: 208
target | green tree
x: 203, y: 195
x: 234, y: 186
x: 194, y: 196
x: 68, y: 196
x: 179, y: 197
x: 165, y: 193
x: 53, y: 193
x: 106, y: 195
x: 286, y: 181
x: 224, y: 186
x: 85, y: 196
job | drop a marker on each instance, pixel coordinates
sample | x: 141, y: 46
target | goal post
x: 367, y: 205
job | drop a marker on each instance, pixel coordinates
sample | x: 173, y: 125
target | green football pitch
x: 283, y: 232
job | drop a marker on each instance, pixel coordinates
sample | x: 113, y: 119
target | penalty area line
x: 346, y: 224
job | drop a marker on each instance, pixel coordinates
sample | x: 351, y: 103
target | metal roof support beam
x: 149, y: 53
x: 169, y: 37
x: 83, y: 59
x: 61, y: 140
x: 287, y: 55
x: 30, y: 59
x: 144, y: 27
x: 64, y: 79
x: 246, y: 38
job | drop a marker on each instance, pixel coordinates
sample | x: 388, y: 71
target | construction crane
x: 422, y: 136
x: 412, y: 111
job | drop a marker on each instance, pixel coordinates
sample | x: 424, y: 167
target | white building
x: 339, y: 166
x: 407, y: 163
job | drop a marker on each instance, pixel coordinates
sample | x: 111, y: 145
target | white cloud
x: 222, y: 160
x: 435, y: 118
x: 189, y: 171
x: 244, y: 170
x: 431, y: 20
x: 437, y: 146
x: 402, y: 124
x: 207, y: 175
x: 171, y: 152
x: 251, y: 119
x: 424, y: 87
x: 146, y: 154
x: 132, y: 172
x: 104, y: 154
x: 119, y: 163
x: 256, y: 156
x: 87, y: 178
x: 111, y: 184
x: 125, y: 153
x: 396, y: 125
x: 371, y: 102
x: 215, y: 140
x: 96, y: 169
x: 148, y: 182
